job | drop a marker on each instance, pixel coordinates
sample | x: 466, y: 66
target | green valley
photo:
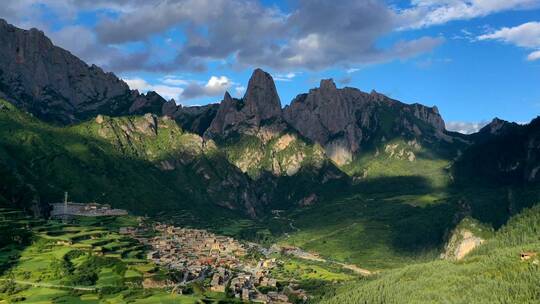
x: 111, y: 195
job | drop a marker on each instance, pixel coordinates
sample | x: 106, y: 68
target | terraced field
x: 87, y: 261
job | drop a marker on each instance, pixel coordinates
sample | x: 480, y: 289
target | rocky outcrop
x: 162, y: 142
x: 495, y: 127
x: 262, y: 102
x: 283, y: 155
x: 257, y: 113
x: 152, y: 102
x: 56, y: 86
x: 461, y: 243
x: 195, y: 119
x: 345, y: 120
x: 308, y: 200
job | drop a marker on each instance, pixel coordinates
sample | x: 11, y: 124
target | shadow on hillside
x: 371, y: 215
x: 387, y: 213
x: 54, y: 160
x: 412, y: 228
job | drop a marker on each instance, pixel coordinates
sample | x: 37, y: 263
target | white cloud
x: 526, y: 35
x: 174, y: 87
x: 137, y: 84
x: 534, y: 56
x: 425, y: 13
x: 215, y: 86
x: 465, y: 127
x: 310, y: 35
x: 240, y: 91
x: 464, y: 34
x: 285, y: 77
x: 167, y: 92
x: 352, y: 70
x: 174, y: 80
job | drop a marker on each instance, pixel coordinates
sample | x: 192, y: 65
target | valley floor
x: 102, y: 260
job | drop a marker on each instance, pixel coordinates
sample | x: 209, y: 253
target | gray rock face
x: 152, y: 102
x: 260, y: 107
x: 56, y: 86
x: 169, y: 108
x: 261, y: 98
x: 194, y: 119
x: 343, y: 120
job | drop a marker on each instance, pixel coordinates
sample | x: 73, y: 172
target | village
x: 220, y: 262
x: 201, y: 256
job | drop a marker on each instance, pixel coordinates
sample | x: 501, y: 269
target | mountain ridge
x: 58, y: 87
x: 327, y: 134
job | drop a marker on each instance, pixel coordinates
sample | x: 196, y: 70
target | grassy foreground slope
x: 494, y: 273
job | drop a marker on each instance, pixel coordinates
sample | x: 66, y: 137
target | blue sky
x: 474, y: 59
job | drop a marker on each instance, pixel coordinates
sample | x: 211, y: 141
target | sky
x: 473, y: 59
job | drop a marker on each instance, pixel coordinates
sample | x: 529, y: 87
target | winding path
x: 48, y: 285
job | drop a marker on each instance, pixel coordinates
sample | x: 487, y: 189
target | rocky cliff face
x: 345, y: 120
x: 177, y: 153
x: 257, y: 113
x: 150, y: 102
x: 56, y: 86
x: 195, y: 119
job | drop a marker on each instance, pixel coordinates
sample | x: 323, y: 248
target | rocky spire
x: 261, y: 97
x: 260, y: 106
x: 327, y: 85
x: 228, y: 118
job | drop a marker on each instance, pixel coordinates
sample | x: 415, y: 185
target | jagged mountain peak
x: 261, y: 97
x: 56, y: 86
x: 227, y: 96
x: 495, y: 127
x: 327, y: 85
x: 345, y: 121
x: 260, y: 107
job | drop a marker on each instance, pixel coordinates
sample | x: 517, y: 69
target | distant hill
x: 504, y: 154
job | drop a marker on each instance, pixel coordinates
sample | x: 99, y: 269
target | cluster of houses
x: 199, y: 255
x: 60, y: 210
x: 193, y: 251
